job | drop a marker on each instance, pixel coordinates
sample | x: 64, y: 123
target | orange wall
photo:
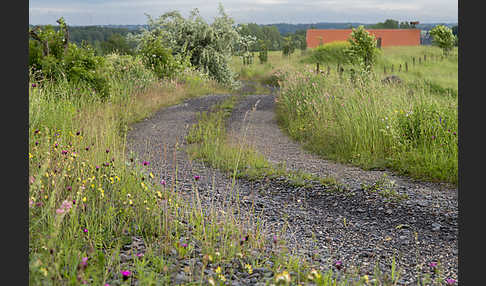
x: 389, y: 37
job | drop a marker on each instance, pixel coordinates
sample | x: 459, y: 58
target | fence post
x: 317, y: 68
x: 384, y: 69
x: 406, y: 66
x: 392, y: 68
x: 328, y: 70
x: 413, y: 61
x: 400, y: 68
x: 420, y: 60
x: 425, y: 58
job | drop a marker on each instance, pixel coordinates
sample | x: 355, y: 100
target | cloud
x: 82, y: 12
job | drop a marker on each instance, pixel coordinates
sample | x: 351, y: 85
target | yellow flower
x: 218, y: 270
x: 130, y: 202
x: 112, y: 181
x: 30, y: 156
x: 44, y: 271
x: 159, y: 194
x: 284, y: 276
x: 366, y: 279
x: 84, y: 199
x: 249, y: 268
x: 151, y: 175
x: 221, y: 277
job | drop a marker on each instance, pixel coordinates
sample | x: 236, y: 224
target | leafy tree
x: 208, y: 46
x: 388, y: 24
x: 263, y: 54
x: 288, y: 47
x: 362, y: 47
x: 405, y: 25
x: 443, y: 38
x: 116, y: 43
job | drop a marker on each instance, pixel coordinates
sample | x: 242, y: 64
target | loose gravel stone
x: 354, y: 225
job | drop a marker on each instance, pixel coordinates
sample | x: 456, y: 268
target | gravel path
x: 358, y: 227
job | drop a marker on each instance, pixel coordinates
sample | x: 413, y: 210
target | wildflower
x: 433, y: 137
x: 450, y: 281
x: 139, y: 254
x: 338, y: 264
x: 78, y: 133
x: 313, y: 275
x: 31, y: 179
x: 87, y: 148
x: 85, y: 230
x: 211, y: 281
x: 36, y: 131
x: 34, y: 85
x: 36, y: 143
x: 151, y: 175
x: 275, y: 239
x: 126, y: 274
x: 30, y: 156
x: 433, y: 264
x: 249, y: 268
x: 146, y: 163
x: 196, y: 177
x: 69, y: 188
x: 218, y: 270
x: 184, y: 245
x: 84, y: 199
x: 97, y: 167
x: 65, y: 207
x: 84, y: 262
x: 284, y: 276
x: 56, y: 145
x: 162, y: 182
x: 64, y: 152
x: 107, y: 151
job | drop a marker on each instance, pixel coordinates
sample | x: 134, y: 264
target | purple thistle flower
x: 36, y: 131
x: 55, y: 145
x: 433, y: 264
x: 78, y: 133
x: 85, y: 230
x: 97, y: 167
x: 197, y: 177
x: 69, y: 188
x: 338, y: 264
x: 126, y: 274
x: 139, y: 254
x: 275, y: 239
x: 162, y: 182
x: 64, y: 152
x: 84, y: 262
x: 87, y: 148
x: 107, y: 151
x: 34, y: 85
x: 450, y: 281
x: 146, y: 163
x: 184, y: 245
x: 36, y: 143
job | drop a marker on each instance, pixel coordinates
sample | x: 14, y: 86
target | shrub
x: 335, y: 52
x: 363, y: 48
x: 443, y: 37
x: 159, y: 58
x: 52, y: 57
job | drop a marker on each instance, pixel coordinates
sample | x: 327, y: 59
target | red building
x: 389, y: 37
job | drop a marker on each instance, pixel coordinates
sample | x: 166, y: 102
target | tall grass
x: 372, y: 124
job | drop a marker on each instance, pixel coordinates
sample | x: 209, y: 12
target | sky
x: 129, y: 12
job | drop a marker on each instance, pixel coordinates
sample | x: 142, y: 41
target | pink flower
x: 197, y: 177
x: 450, y: 281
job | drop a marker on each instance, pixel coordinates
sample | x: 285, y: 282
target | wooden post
x: 400, y: 68
x: 384, y: 69
x: 317, y: 68
x: 420, y: 60
x: 406, y: 66
x: 425, y: 58
x: 338, y: 67
x: 328, y: 70
x: 341, y: 70
x: 392, y: 68
x: 413, y: 61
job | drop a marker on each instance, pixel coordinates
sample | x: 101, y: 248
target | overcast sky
x: 123, y: 12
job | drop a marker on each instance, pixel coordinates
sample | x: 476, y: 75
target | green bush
x: 159, y: 58
x: 52, y: 58
x: 335, y: 52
